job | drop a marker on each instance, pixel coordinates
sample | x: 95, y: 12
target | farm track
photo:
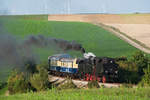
x: 79, y: 83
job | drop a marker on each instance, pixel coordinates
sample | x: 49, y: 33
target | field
x: 93, y: 38
x: 104, y: 18
x: 140, y: 32
x: 82, y: 94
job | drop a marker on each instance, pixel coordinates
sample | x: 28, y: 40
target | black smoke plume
x: 11, y: 52
x: 14, y: 52
x: 42, y: 41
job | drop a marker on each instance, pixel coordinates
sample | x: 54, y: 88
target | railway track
x: 80, y: 83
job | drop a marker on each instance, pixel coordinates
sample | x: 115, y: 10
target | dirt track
x: 136, y: 26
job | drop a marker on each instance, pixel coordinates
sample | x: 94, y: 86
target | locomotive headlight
x: 106, y: 71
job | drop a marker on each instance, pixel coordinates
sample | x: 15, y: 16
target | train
x: 102, y: 69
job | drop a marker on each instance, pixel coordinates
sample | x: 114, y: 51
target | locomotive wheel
x: 104, y: 79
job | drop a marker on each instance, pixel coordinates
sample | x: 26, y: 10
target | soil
x: 104, y: 18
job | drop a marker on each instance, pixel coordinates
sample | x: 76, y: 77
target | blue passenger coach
x: 63, y: 63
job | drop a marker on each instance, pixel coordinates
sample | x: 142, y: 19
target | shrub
x: 17, y: 83
x: 141, y: 61
x: 39, y: 80
x: 146, y: 78
x: 68, y: 84
x: 128, y: 72
x: 30, y: 67
x: 2, y: 84
x: 93, y: 84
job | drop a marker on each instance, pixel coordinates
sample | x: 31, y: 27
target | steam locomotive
x: 90, y: 68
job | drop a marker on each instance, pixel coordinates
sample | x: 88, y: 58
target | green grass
x: 93, y: 38
x: 81, y: 94
x: 3, y: 91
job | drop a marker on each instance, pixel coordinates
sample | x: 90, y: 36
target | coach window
x: 67, y: 64
x: 63, y: 63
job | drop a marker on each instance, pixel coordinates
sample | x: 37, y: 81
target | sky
x: 21, y: 7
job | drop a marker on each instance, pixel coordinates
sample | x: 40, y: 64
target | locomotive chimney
x: 83, y: 50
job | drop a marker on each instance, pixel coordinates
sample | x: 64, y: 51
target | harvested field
x: 104, y: 18
x: 140, y: 32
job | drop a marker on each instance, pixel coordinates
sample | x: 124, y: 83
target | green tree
x: 141, y: 61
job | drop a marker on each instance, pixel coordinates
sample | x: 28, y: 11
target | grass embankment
x: 81, y: 94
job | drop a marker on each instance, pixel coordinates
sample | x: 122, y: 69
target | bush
x: 39, y: 80
x: 2, y: 84
x: 68, y: 84
x: 146, y: 78
x: 141, y: 61
x: 17, y: 83
x: 128, y: 72
x: 30, y: 67
x: 93, y: 84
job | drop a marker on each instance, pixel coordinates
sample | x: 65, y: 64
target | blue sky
x: 73, y: 7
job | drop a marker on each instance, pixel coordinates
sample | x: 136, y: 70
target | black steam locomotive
x: 93, y: 68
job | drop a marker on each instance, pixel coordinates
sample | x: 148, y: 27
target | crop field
x: 93, y: 38
x: 140, y: 32
x: 82, y: 94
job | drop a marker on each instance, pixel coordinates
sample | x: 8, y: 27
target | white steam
x: 89, y: 55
